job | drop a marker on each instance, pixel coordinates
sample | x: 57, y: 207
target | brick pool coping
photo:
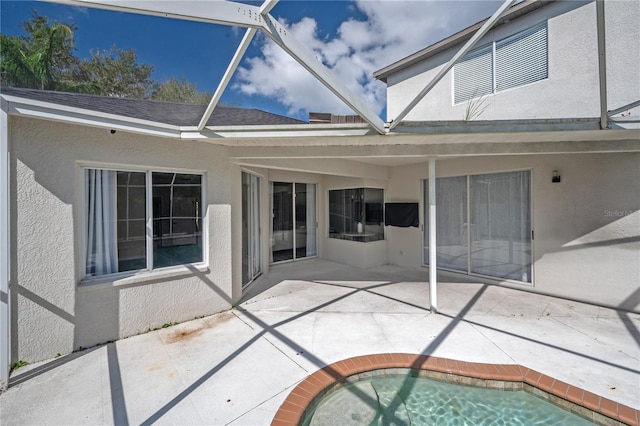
x: 292, y: 410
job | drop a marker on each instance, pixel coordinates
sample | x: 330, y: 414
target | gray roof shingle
x: 174, y: 113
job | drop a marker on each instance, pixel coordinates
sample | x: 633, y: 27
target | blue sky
x: 353, y: 38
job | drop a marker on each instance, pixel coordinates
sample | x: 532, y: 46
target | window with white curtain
x: 483, y: 224
x: 141, y: 220
x: 519, y: 59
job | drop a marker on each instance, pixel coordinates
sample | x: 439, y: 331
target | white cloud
x: 392, y: 30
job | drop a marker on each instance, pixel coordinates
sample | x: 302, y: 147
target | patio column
x: 433, y: 267
x: 4, y: 244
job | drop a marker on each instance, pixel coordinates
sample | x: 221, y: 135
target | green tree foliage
x: 175, y: 90
x: 116, y: 72
x: 43, y: 59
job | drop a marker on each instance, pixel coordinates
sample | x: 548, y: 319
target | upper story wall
x: 572, y: 87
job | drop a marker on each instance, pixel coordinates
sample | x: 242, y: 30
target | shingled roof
x: 173, y: 113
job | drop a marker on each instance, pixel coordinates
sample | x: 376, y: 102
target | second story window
x: 519, y: 59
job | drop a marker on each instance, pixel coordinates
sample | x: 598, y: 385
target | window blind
x: 473, y: 75
x: 522, y: 58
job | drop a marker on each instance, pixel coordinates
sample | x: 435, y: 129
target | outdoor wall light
x: 556, y: 176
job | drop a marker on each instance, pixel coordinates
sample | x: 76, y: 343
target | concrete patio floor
x: 238, y: 366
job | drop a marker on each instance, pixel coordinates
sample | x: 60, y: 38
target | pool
x: 410, y: 400
x: 496, y: 382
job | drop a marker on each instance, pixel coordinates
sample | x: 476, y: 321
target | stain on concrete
x: 221, y: 318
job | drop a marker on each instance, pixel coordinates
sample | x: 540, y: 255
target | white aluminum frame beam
x: 444, y: 70
x: 624, y: 108
x: 602, y: 64
x: 266, y: 7
x: 239, y: 14
x: 231, y: 69
x: 220, y: 12
x: 307, y: 59
x: 433, y: 258
x: 5, y: 247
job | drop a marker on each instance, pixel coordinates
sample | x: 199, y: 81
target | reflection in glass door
x: 251, y: 250
x: 294, y: 227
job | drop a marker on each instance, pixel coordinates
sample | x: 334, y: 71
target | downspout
x: 433, y: 266
x: 5, y: 249
x: 602, y: 64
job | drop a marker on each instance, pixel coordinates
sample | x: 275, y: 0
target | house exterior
x: 124, y: 216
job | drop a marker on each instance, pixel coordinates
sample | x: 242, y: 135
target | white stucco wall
x: 572, y: 89
x: 54, y: 312
x: 587, y: 227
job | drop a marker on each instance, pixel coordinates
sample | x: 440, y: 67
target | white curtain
x: 500, y: 211
x: 451, y: 223
x: 312, y: 229
x: 100, y: 195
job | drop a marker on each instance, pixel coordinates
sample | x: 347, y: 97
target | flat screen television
x: 401, y: 214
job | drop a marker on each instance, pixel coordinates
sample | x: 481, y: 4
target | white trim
x: 141, y: 277
x: 21, y: 106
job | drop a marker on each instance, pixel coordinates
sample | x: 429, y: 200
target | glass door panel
x: 305, y: 216
x: 282, y: 237
x: 451, y: 223
x: 251, y: 251
x: 501, y: 217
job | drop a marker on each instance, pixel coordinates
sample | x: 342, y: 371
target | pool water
x: 407, y: 400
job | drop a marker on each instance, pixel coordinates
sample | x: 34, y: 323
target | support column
x: 5, y: 337
x: 433, y: 267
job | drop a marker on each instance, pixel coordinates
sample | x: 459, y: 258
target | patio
x: 238, y: 366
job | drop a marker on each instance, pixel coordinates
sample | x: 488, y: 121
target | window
x: 356, y: 214
x: 519, y: 59
x: 483, y: 224
x: 474, y: 75
x: 141, y: 220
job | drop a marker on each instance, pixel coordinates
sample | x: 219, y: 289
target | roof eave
x: 62, y: 113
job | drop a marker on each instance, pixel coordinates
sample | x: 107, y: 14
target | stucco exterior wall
x: 53, y: 310
x: 587, y: 227
x: 572, y: 88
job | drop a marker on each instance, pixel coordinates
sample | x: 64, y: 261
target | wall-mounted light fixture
x: 556, y: 176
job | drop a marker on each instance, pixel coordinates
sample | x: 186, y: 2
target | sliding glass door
x: 501, y: 214
x: 251, y: 235
x: 294, y: 229
x: 451, y: 228
x: 483, y: 224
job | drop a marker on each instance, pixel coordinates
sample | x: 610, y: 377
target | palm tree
x: 41, y: 60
